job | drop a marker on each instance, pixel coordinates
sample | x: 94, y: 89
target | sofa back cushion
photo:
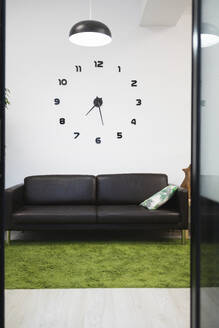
x: 128, y: 188
x: 60, y: 190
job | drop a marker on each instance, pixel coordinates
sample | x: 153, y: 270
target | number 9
x: 56, y: 101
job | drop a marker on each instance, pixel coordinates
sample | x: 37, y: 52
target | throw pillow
x: 160, y: 198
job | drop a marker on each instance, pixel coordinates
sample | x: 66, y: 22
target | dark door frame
x: 195, y: 225
x: 2, y: 157
x: 195, y: 174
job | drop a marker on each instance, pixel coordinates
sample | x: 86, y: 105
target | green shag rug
x: 97, y: 264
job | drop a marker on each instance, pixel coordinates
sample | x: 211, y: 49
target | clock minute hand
x: 101, y: 115
x: 89, y: 111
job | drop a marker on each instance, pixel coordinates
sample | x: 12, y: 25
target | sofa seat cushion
x: 135, y: 214
x: 61, y: 214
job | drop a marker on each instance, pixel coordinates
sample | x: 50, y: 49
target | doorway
x: 125, y: 143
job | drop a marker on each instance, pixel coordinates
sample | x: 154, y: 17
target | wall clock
x: 96, y: 105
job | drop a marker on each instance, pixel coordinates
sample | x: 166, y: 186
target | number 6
x: 98, y: 140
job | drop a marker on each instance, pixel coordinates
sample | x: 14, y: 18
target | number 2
x: 134, y: 83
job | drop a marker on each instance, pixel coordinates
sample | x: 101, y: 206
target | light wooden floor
x: 209, y: 307
x: 98, y: 308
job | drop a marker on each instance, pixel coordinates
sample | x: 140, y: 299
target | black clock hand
x: 101, y: 115
x: 90, y: 110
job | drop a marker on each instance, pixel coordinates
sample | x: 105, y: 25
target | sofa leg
x: 8, y: 237
x: 183, y: 235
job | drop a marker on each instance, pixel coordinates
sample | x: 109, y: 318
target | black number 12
x: 98, y: 63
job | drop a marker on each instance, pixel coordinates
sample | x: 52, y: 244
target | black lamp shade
x: 90, y: 33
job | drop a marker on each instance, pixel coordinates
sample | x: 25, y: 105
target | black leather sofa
x: 87, y: 202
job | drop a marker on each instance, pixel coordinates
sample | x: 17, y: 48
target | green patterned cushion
x: 160, y: 198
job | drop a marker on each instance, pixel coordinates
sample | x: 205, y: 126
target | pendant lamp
x: 209, y: 35
x: 90, y: 33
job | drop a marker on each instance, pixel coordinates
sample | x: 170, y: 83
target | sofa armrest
x: 14, y: 199
x: 182, y: 201
x: 179, y: 203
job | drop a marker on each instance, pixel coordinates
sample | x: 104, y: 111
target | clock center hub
x: 98, y: 102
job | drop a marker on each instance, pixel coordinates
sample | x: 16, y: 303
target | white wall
x: 210, y: 111
x: 38, y: 53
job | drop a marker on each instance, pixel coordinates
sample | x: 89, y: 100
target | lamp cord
x: 90, y: 9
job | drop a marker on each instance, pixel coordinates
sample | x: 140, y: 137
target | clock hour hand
x: 90, y: 110
x: 97, y: 103
x: 101, y: 115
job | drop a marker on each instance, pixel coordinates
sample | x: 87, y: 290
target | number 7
x: 76, y: 135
